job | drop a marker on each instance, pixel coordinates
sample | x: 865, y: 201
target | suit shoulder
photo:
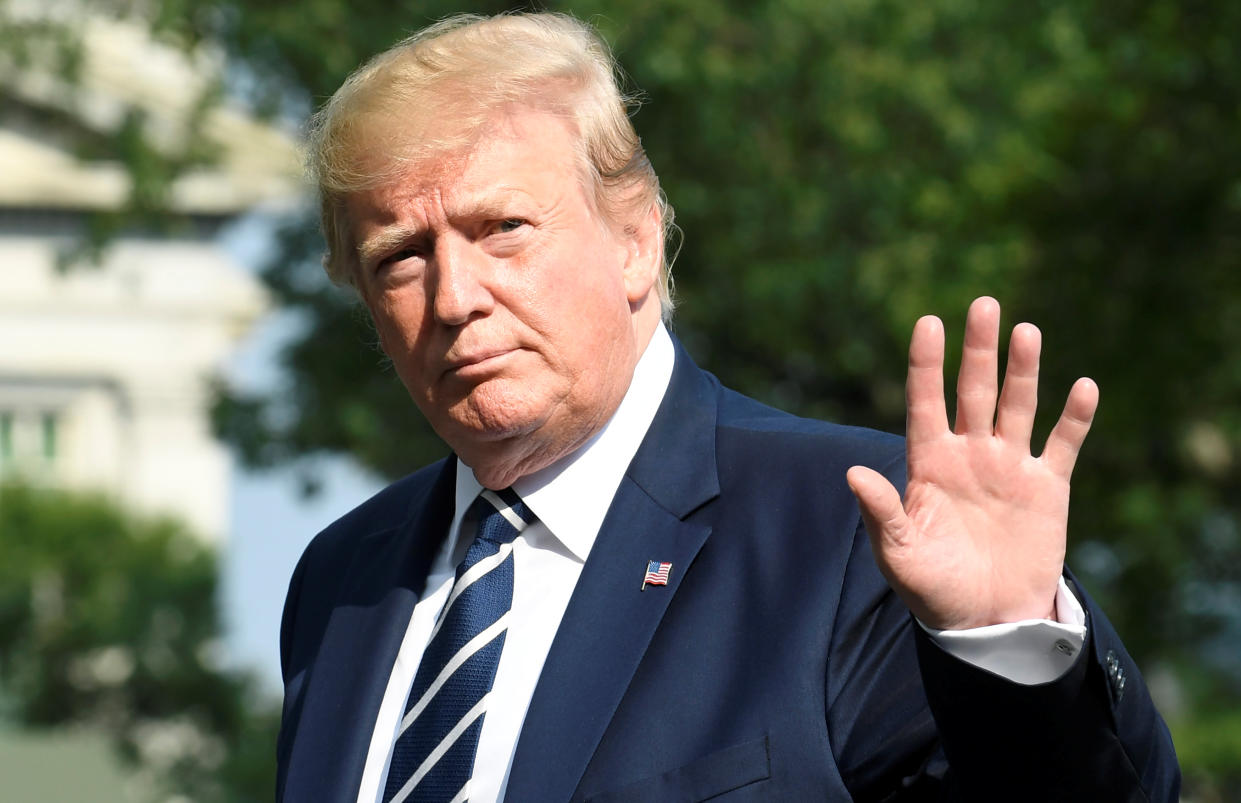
x: 322, y: 565
x: 753, y: 425
x: 389, y: 508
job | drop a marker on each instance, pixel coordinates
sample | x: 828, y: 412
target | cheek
x: 590, y: 292
x: 399, y: 319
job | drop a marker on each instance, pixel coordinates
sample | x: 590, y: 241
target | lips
x: 477, y: 362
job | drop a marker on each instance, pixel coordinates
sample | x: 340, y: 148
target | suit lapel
x: 364, y: 633
x: 610, y: 621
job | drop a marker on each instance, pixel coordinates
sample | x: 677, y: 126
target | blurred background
x: 185, y: 399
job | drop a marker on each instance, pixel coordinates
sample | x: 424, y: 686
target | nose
x: 460, y: 273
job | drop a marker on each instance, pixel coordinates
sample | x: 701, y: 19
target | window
x: 6, y: 436
x: 49, y: 436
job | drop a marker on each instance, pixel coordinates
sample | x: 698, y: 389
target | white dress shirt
x: 571, y: 499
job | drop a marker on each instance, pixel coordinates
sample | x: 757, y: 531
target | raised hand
x: 980, y: 536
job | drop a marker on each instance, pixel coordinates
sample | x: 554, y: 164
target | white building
x: 104, y: 370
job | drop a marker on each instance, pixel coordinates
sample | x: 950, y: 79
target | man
x: 664, y: 590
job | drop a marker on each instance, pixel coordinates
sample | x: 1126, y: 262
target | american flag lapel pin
x: 656, y: 574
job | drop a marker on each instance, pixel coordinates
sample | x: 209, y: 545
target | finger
x: 881, y: 508
x: 1014, y: 418
x: 976, y: 384
x: 1066, y: 438
x: 925, y: 416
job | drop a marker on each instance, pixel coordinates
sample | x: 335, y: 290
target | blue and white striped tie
x: 433, y: 757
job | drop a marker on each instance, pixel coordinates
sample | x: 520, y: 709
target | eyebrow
x: 379, y: 244
x: 494, y: 203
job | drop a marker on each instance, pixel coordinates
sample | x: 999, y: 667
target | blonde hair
x: 464, y: 69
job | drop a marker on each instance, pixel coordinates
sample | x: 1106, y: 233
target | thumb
x: 881, y: 506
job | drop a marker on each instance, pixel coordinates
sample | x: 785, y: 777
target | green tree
x: 110, y: 621
x: 41, y: 47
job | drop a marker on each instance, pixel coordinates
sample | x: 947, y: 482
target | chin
x: 471, y: 422
x: 503, y: 431
x: 499, y: 453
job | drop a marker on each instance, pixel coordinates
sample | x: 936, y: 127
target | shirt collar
x: 571, y: 497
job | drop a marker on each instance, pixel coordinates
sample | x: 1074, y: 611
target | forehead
x: 521, y: 153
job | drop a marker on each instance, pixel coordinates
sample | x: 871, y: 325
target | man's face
x: 513, y: 314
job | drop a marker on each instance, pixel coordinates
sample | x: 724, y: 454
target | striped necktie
x: 433, y: 757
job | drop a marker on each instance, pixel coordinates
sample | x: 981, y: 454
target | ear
x: 644, y: 257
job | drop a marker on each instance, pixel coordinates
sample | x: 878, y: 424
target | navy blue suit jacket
x: 775, y: 665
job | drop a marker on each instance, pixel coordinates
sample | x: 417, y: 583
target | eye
x: 400, y: 256
x: 510, y: 224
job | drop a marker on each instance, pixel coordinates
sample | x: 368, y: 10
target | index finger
x: 925, y: 415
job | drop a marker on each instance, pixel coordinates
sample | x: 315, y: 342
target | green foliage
x: 1208, y: 747
x: 1206, y: 729
x: 110, y: 621
x: 49, y: 48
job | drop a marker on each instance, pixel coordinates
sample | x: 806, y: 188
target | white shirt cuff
x: 1029, y: 652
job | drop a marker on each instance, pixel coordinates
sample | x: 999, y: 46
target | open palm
x: 980, y: 536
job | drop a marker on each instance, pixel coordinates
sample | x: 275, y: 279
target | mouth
x: 478, y: 363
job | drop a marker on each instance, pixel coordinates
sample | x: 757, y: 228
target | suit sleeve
x: 292, y: 679
x: 909, y: 722
x: 1093, y: 734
